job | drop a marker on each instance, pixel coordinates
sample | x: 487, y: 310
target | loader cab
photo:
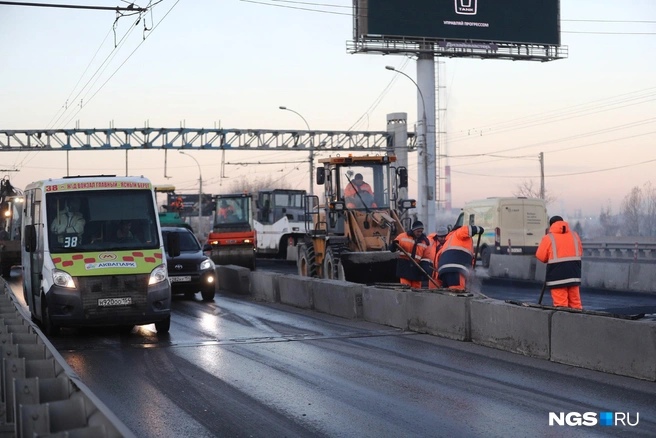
x: 361, y: 184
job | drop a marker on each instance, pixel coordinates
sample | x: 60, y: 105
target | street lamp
x: 200, y: 190
x: 423, y: 148
x: 284, y: 108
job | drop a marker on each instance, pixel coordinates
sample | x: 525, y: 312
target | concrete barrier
x: 620, y: 274
x: 611, y: 345
x: 439, y: 313
x: 521, y: 267
x: 642, y: 277
x: 41, y: 394
x: 339, y: 298
x: 385, y: 306
x: 605, y: 275
x: 296, y: 291
x: 264, y: 286
x: 234, y: 278
x: 509, y: 327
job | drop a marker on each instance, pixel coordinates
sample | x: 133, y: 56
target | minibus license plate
x: 181, y: 278
x: 108, y: 302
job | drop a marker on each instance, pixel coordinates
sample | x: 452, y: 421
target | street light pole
x: 284, y: 108
x: 423, y: 154
x: 200, y: 191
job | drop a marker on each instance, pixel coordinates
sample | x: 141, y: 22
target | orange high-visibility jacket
x: 432, y: 253
x: 417, y: 249
x: 561, y: 250
x: 457, y: 253
x: 351, y: 188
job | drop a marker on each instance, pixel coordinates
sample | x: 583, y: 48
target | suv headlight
x: 63, y: 279
x: 158, y: 275
x: 207, y: 264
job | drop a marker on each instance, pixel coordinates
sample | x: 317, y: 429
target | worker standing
x: 456, y: 258
x: 561, y: 250
x: 414, y: 245
x: 436, y: 240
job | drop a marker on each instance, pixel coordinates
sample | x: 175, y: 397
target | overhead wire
x: 124, y: 61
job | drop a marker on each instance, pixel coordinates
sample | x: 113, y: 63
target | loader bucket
x: 370, y: 267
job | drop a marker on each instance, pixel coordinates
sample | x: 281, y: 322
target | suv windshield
x: 188, y: 242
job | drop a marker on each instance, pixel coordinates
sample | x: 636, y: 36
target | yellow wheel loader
x: 354, y: 225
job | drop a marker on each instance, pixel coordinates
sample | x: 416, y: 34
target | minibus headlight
x: 158, y: 275
x: 63, y: 279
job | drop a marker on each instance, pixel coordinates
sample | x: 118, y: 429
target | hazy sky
x: 232, y: 63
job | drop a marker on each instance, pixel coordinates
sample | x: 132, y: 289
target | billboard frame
x: 363, y: 42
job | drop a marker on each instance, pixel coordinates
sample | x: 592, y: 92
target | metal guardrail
x: 40, y: 395
x: 635, y: 251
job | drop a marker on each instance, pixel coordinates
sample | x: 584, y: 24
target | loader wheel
x: 332, y: 268
x: 306, y: 262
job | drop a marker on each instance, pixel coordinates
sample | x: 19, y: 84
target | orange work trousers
x: 436, y: 280
x: 415, y: 284
x: 567, y: 296
x: 454, y: 281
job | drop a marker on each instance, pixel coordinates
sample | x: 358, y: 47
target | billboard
x: 187, y: 205
x: 501, y: 21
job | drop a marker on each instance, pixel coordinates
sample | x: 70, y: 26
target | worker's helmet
x: 442, y: 231
x: 554, y: 219
x: 417, y: 225
x: 358, y: 177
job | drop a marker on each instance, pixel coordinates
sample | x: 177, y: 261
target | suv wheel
x: 208, y: 293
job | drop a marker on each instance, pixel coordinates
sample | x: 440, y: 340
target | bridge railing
x: 637, y: 251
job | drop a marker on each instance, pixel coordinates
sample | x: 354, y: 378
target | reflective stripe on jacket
x: 561, y: 250
x: 457, y: 253
x: 432, y: 254
x: 416, y: 248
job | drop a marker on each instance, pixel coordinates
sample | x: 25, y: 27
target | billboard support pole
x: 426, y: 158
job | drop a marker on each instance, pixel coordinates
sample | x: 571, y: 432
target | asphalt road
x: 237, y: 368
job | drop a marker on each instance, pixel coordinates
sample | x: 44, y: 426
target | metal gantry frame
x: 197, y: 138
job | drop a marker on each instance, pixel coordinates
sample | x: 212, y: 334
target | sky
x: 232, y: 63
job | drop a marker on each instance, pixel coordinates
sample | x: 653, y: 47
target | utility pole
x: 541, y: 157
x: 311, y: 159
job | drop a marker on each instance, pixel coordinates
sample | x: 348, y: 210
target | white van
x: 512, y: 225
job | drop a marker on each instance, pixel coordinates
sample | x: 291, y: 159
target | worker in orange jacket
x: 456, y: 258
x: 436, y: 240
x: 561, y: 250
x: 358, y: 193
x: 415, y: 243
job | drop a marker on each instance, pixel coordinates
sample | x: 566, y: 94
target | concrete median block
x: 510, y: 327
x: 439, y: 313
x: 296, y: 291
x: 642, y: 277
x: 264, y: 286
x: 234, y: 279
x: 521, y: 267
x: 339, y: 298
x: 540, y: 271
x: 605, y: 275
x: 385, y: 306
x: 610, y: 345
